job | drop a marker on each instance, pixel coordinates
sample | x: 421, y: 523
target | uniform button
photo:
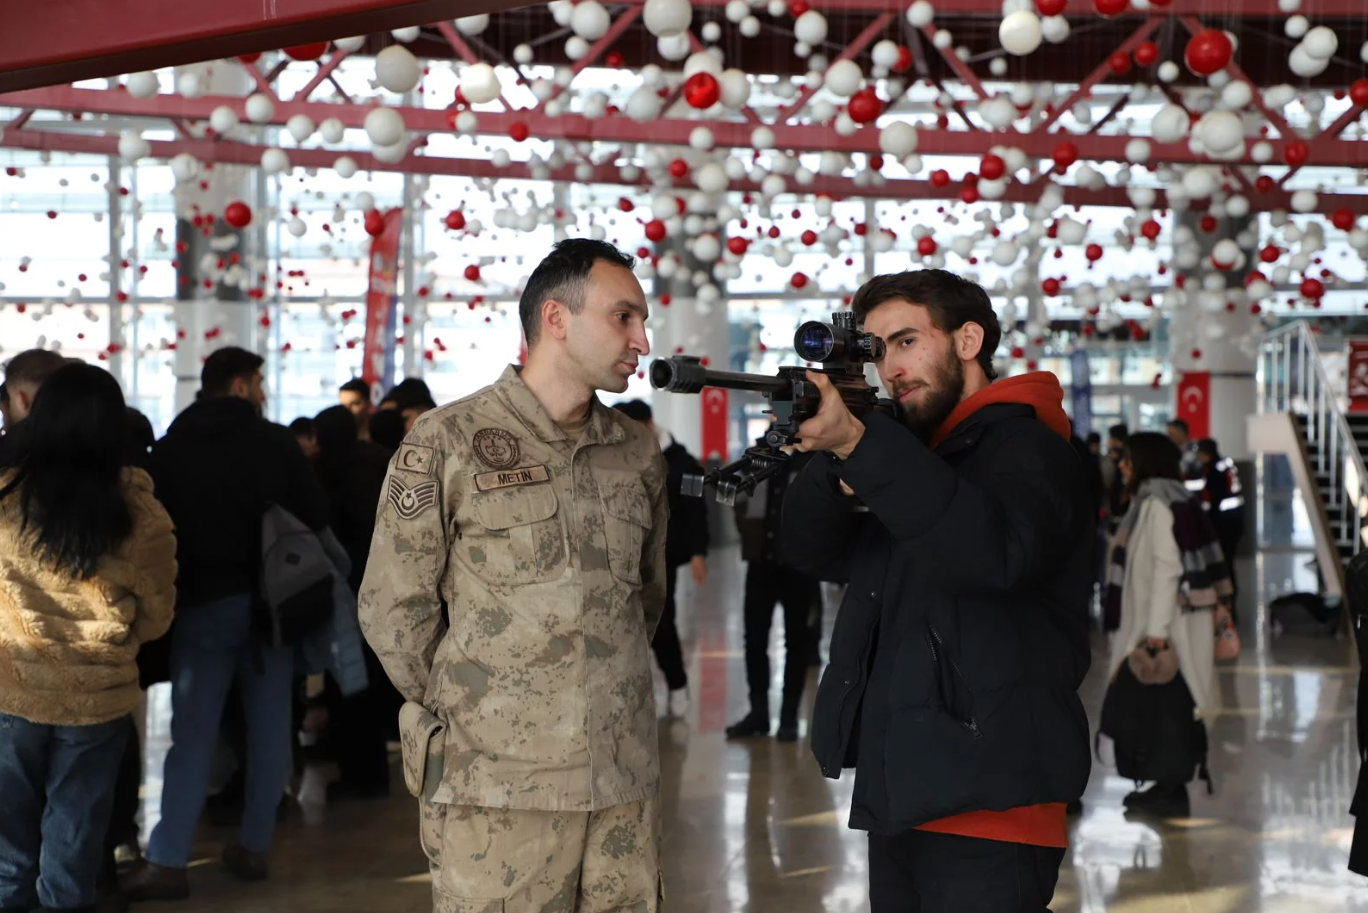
x: 873, y: 595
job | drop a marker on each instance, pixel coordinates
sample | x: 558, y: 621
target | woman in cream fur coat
x: 87, y: 574
x: 1168, y: 574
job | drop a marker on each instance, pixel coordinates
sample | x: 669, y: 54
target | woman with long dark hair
x: 1166, y: 577
x: 88, y: 559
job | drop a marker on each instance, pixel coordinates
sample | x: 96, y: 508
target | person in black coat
x: 771, y: 579
x: 353, y: 476
x: 217, y: 469
x: 686, y: 542
x: 957, y: 654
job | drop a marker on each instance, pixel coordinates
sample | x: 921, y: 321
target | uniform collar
x: 602, y: 429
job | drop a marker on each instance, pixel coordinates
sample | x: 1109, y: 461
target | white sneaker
x: 679, y: 702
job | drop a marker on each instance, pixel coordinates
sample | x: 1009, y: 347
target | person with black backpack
x: 224, y: 473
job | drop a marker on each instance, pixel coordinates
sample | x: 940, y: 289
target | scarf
x: 1206, y: 576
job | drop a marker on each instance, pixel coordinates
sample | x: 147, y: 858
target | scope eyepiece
x: 828, y: 342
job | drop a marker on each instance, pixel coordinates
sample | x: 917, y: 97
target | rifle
x: 839, y: 347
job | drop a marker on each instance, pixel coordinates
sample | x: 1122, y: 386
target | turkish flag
x: 1358, y: 376
x: 1194, y: 403
x: 714, y: 421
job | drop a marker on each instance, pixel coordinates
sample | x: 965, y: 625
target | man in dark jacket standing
x: 963, y: 637
x: 686, y: 542
x: 770, y: 579
x: 216, y: 470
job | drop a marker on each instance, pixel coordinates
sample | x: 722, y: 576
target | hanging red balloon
x: 472, y: 273
x: 798, y: 280
x: 1051, y: 7
x: 1342, y: 219
x: 1064, y: 155
x: 1263, y: 183
x: 1358, y: 92
x: 1093, y: 252
x: 374, y: 223
x: 903, y: 62
x: 655, y: 230
x: 864, y: 106
x: 701, y: 90
x: 969, y: 195
x: 311, y: 51
x: 1110, y: 7
x: 926, y: 246
x: 1119, y: 63
x: 1312, y: 289
x: 1146, y: 53
x: 519, y: 132
x: 1269, y: 253
x: 992, y: 167
x: 1296, y: 153
x: 1207, y: 224
x: 1208, y: 51
x: 678, y: 168
x: 940, y: 178
x: 737, y: 245
x: 1050, y: 287
x: 237, y: 214
x: 1150, y: 229
x: 455, y: 220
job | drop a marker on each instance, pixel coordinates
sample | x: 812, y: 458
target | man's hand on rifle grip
x: 833, y: 428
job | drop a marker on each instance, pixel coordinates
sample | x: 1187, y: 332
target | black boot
x: 753, y: 724
x: 1163, y: 800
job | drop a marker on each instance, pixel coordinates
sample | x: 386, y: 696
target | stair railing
x: 1292, y: 378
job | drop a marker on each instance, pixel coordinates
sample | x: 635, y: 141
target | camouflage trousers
x: 508, y: 860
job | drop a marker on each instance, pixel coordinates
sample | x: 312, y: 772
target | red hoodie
x: 1037, y: 825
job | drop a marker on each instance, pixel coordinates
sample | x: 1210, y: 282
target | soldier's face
x: 608, y: 336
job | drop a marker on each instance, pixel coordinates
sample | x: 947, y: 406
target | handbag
x: 1155, y: 734
x: 1227, y: 638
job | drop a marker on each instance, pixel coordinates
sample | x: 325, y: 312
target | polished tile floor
x: 754, y: 827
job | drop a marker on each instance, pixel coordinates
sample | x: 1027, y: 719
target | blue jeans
x: 56, y: 794
x: 211, y: 644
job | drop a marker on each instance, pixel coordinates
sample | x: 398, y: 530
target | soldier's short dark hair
x: 564, y: 275
x: 635, y: 409
x: 32, y: 367
x: 356, y: 385
x: 952, y: 300
x: 226, y: 365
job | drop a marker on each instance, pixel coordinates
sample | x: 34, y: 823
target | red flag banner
x: 377, y: 360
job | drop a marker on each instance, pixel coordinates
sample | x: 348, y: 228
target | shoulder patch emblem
x: 415, y: 458
x: 410, y: 501
x: 495, y: 447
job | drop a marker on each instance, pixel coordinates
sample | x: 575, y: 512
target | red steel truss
x: 1327, y: 148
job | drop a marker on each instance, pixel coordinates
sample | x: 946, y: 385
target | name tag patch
x: 507, y: 478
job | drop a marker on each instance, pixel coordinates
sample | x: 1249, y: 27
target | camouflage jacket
x: 549, y: 555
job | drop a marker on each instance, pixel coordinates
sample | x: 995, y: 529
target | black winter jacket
x: 354, y: 484
x: 962, y: 640
x: 216, y: 469
x: 687, y: 533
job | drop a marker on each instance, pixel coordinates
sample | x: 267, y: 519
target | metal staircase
x: 1302, y: 415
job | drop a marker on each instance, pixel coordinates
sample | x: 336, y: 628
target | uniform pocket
x: 431, y: 824
x: 422, y: 747
x: 626, y: 519
x: 517, y: 535
x: 443, y: 902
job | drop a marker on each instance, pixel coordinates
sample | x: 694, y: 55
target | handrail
x: 1292, y: 378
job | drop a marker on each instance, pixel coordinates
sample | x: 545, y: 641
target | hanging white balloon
x: 843, y: 78
x: 397, y: 70
x: 223, y: 119
x: 345, y: 166
x: 300, y: 127
x: 331, y: 130
x: 259, y: 108
x: 479, y: 83
x: 1020, y: 33
x: 274, y: 161
x: 384, y: 126
x: 473, y: 25
x: 142, y: 85
x: 133, y: 147
x: 667, y: 18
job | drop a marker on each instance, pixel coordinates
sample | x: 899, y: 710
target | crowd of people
x: 496, y: 569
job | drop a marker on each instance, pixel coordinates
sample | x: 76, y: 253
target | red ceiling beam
x: 838, y: 188
x: 1325, y: 150
x: 1080, y: 10
x: 54, y: 41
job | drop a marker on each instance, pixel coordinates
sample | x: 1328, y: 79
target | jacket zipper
x: 934, y: 641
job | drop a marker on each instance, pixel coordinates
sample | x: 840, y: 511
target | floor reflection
x: 754, y: 827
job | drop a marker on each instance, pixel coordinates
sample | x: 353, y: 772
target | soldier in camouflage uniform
x: 537, y: 517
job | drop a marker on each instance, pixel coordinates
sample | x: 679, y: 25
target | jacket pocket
x: 955, y: 694
x: 626, y: 519
x: 517, y: 536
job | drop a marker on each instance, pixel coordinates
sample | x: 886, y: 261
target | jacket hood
x: 1039, y: 389
x: 219, y: 415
